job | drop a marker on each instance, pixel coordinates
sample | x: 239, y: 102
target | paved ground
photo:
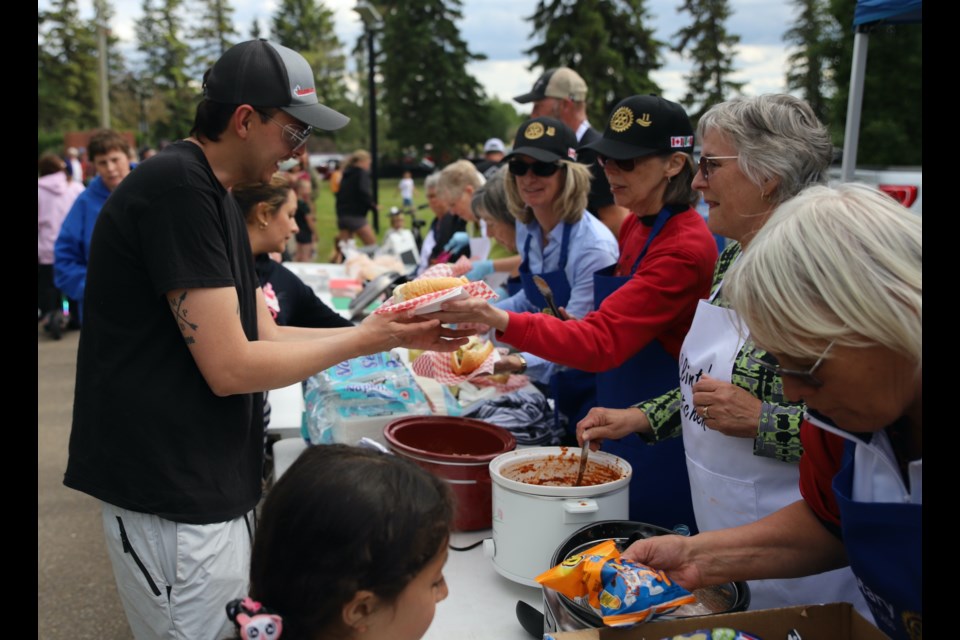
x: 76, y: 595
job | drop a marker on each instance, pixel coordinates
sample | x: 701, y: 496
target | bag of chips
x: 718, y: 633
x: 621, y: 592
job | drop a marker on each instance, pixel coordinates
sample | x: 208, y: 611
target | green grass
x: 388, y: 196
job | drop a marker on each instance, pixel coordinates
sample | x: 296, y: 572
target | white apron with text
x: 729, y: 485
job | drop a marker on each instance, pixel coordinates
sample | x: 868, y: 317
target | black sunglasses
x: 624, y: 165
x: 539, y: 168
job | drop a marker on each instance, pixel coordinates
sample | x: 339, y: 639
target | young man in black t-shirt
x: 178, y: 345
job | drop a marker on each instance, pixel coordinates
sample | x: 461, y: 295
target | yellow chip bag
x: 621, y: 592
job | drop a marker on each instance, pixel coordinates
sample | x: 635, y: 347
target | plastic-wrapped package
x: 373, y: 386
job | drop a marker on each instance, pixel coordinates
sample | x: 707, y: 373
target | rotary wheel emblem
x: 534, y: 131
x: 621, y: 119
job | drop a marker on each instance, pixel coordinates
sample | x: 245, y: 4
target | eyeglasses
x: 806, y: 378
x: 624, y: 165
x: 294, y: 136
x: 542, y: 169
x: 710, y: 162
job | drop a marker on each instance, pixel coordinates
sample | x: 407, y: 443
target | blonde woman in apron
x: 740, y: 435
x: 643, y: 305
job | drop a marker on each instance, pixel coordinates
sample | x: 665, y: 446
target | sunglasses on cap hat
x: 542, y: 169
x: 295, y: 137
x: 624, y: 165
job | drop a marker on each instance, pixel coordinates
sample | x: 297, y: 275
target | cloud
x: 500, y: 30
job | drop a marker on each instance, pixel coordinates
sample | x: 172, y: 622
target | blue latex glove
x: 457, y: 243
x: 481, y: 269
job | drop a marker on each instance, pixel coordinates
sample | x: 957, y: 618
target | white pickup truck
x: 903, y: 184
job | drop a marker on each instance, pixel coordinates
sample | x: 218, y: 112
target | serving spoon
x: 547, y: 294
x: 583, y: 462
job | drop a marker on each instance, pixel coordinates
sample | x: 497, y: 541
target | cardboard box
x: 838, y: 621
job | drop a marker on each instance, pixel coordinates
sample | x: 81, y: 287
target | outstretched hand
x: 671, y: 554
x: 471, y: 310
x: 403, y: 329
x: 602, y: 423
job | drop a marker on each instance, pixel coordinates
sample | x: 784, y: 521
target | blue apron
x: 573, y: 391
x: 514, y: 286
x: 889, y: 566
x: 660, y: 490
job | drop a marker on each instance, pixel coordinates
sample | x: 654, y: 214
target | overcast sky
x: 499, y: 30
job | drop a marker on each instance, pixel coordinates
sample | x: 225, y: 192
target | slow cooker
x: 532, y: 514
x: 458, y: 450
x: 563, y: 614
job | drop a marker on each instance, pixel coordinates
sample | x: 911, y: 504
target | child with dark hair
x: 351, y: 541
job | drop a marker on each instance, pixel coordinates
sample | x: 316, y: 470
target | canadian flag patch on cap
x: 678, y: 142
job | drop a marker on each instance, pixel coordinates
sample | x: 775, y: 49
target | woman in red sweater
x: 645, y: 304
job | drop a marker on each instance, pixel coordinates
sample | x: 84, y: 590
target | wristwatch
x: 523, y: 364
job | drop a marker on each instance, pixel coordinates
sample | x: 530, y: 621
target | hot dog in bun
x: 470, y: 356
x: 423, y: 286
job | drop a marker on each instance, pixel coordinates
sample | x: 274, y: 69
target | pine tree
x: 160, y: 40
x: 807, y: 61
x: 607, y: 42
x: 710, y: 48
x: 891, y: 129
x: 211, y: 35
x: 255, y: 29
x: 67, y: 90
x: 430, y: 97
x: 307, y: 27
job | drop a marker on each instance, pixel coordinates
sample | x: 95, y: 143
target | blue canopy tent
x: 869, y: 13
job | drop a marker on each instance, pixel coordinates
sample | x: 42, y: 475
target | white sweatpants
x: 176, y: 579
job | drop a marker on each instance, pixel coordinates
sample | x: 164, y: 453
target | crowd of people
x: 773, y: 391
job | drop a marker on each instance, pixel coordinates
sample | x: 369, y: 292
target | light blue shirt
x: 591, y: 248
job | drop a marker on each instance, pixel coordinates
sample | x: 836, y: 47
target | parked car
x: 903, y: 184
x: 324, y: 162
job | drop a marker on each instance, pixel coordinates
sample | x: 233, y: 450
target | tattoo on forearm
x: 180, y: 312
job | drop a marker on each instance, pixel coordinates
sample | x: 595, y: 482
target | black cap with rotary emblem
x: 545, y: 139
x: 640, y: 126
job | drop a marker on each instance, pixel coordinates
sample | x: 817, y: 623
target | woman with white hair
x: 832, y: 288
x: 458, y: 182
x: 741, y: 434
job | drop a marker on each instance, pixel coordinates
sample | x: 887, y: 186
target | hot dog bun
x: 423, y: 286
x: 470, y: 356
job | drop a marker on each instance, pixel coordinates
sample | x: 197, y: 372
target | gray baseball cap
x: 563, y: 83
x: 268, y: 75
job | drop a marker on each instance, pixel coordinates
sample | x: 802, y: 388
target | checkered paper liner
x: 448, y: 270
x: 479, y: 289
x: 515, y: 382
x: 437, y: 366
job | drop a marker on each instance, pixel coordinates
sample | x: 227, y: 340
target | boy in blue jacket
x: 110, y: 155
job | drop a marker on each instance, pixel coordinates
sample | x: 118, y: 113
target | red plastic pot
x: 459, y: 451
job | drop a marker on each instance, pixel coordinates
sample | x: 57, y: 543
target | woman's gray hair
x: 680, y: 191
x: 490, y: 201
x: 843, y: 264
x: 456, y: 177
x: 776, y: 136
x: 571, y: 201
x: 431, y: 181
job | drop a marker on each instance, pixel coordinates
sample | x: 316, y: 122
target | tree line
x: 428, y: 103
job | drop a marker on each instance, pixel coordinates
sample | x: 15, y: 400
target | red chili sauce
x: 561, y: 471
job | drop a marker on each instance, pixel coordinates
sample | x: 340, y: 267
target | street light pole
x: 375, y: 160
x: 104, y: 81
x: 372, y: 21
